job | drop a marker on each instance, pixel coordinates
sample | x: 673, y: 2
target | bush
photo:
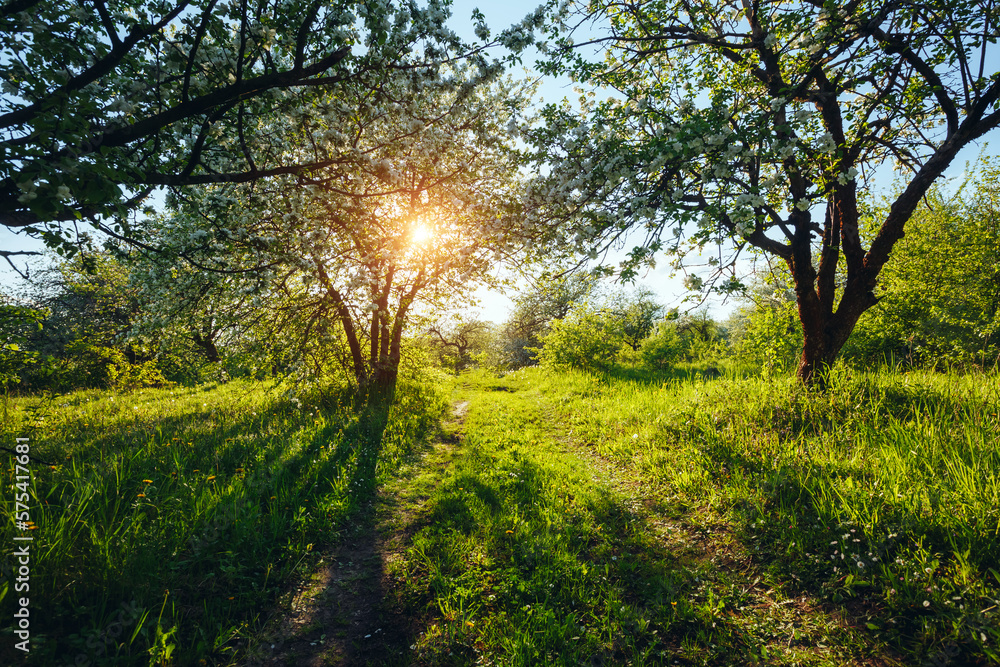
x: 16, y: 325
x: 662, y: 348
x: 586, y: 339
x: 939, y: 302
x: 125, y: 376
x: 769, y: 336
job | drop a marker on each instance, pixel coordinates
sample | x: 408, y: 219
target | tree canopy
x: 103, y: 102
x: 758, y: 124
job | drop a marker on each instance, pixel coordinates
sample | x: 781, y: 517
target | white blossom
x: 826, y: 143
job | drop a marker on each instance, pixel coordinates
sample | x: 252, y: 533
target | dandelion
x: 140, y: 495
x: 927, y: 603
x: 211, y: 477
x: 147, y: 481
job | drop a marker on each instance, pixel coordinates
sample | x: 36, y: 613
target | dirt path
x: 808, y: 631
x: 345, y: 613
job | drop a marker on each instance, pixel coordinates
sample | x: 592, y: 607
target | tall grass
x: 883, y: 490
x: 192, y: 507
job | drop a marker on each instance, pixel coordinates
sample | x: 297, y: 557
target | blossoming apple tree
x: 758, y: 124
x: 419, y: 197
x: 104, y: 101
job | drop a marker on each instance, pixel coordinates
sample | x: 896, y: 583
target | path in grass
x: 537, y: 551
x: 509, y: 543
x: 788, y: 625
x: 345, y: 613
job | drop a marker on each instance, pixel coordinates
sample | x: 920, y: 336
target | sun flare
x: 421, y: 233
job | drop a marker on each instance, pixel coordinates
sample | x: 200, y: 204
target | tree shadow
x: 236, y: 506
x: 827, y: 545
x: 557, y: 579
x: 345, y: 614
x: 681, y: 593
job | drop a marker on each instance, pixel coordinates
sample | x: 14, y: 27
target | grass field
x: 546, y: 518
x: 167, y: 523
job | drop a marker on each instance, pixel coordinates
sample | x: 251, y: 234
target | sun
x: 420, y: 234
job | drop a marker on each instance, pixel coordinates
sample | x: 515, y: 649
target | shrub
x: 586, y: 338
x: 769, y: 336
x: 662, y: 348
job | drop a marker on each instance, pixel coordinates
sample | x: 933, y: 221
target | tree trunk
x: 819, y: 351
x: 381, y: 388
x: 825, y: 330
x: 826, y: 324
x: 207, y: 345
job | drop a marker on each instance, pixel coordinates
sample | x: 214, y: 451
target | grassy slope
x: 726, y: 522
x: 194, y: 508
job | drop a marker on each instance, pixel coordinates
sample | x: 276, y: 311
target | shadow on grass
x: 198, y: 522
x: 522, y: 563
x: 799, y: 520
x: 346, y: 613
x: 554, y: 586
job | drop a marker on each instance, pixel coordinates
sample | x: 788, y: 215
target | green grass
x: 194, y: 508
x: 570, y: 519
x: 880, y: 495
x: 854, y: 526
x: 522, y: 558
x: 530, y: 552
